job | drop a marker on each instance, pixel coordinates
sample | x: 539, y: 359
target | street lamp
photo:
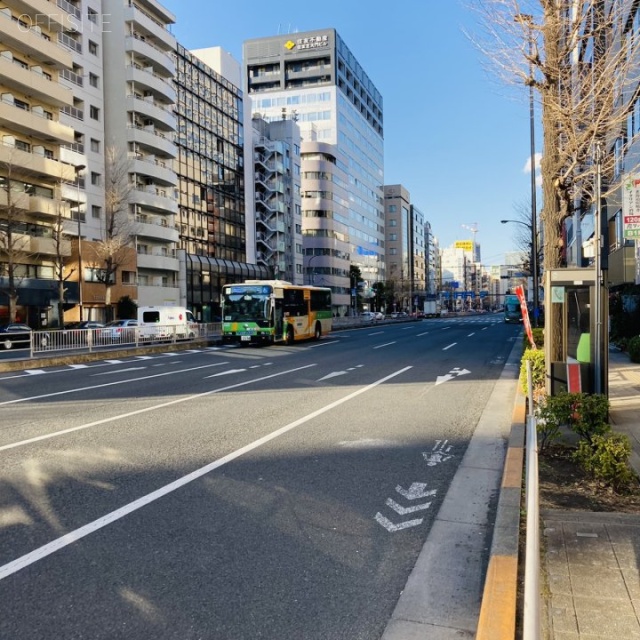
x: 527, y: 20
x: 78, y: 168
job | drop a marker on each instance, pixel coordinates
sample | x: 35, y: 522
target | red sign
x: 525, y: 314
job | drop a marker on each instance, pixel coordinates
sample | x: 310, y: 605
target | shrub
x: 584, y: 414
x: 606, y: 458
x: 538, y: 338
x: 634, y: 349
x: 536, y: 357
x: 591, y: 415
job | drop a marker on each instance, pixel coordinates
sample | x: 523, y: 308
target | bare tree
x: 110, y: 251
x: 61, y: 250
x: 571, y: 52
x: 14, y: 242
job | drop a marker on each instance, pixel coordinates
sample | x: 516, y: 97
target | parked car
x: 378, y: 315
x: 16, y: 335
x: 75, y: 333
x: 119, y: 331
x: 85, y: 324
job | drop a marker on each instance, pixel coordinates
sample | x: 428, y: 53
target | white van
x: 167, y: 323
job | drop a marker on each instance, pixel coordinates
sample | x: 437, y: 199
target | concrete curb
x: 497, y: 619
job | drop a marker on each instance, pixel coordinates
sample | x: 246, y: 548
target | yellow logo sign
x: 289, y: 44
x: 467, y: 245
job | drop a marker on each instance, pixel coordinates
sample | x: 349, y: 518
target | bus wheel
x: 318, y: 332
x: 290, y: 339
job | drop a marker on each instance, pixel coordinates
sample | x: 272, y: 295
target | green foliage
x: 536, y: 357
x: 538, y: 338
x: 591, y: 415
x: 127, y: 308
x: 584, y: 414
x: 634, y: 349
x: 606, y: 458
x: 624, y: 314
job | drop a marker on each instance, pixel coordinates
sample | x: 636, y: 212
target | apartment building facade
x: 140, y: 125
x: 315, y: 78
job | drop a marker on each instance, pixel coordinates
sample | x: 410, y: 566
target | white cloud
x: 527, y: 167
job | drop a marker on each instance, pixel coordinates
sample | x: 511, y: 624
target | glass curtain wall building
x: 314, y: 77
x: 211, y: 191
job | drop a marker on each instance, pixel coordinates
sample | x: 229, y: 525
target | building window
x: 94, y: 113
x: 393, y: 222
x: 391, y: 208
x: 96, y: 211
x: 93, y: 80
x: 92, y: 16
x: 95, y: 145
x: 95, y: 179
x: 93, y: 48
x: 128, y: 277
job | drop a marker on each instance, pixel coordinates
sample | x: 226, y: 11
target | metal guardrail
x: 531, y: 616
x: 63, y: 341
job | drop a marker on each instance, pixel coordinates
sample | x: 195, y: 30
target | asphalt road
x: 243, y: 493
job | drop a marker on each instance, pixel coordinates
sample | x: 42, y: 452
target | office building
x: 212, y: 215
x: 314, y: 78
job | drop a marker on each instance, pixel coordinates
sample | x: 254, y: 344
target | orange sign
x: 525, y: 314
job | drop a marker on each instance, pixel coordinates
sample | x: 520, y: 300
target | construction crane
x: 474, y: 229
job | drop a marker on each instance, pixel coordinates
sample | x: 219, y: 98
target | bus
x: 274, y: 311
x: 512, y: 310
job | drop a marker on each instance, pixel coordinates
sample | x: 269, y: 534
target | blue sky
x: 455, y: 137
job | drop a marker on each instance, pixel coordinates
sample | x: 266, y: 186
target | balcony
x: 150, y: 24
x: 157, y: 262
x: 32, y: 124
x: 146, y: 79
x: 47, y: 246
x: 160, y: 59
x: 21, y: 36
x: 34, y: 83
x: 49, y: 207
x: 151, y: 197
x: 147, y: 108
x: 50, y: 16
x: 34, y: 165
x: 155, y: 141
x: 156, y: 230
x: 159, y: 171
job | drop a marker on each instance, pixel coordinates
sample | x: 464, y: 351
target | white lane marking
x: 376, y: 333
x: 34, y: 372
x: 224, y: 373
x: 484, y: 328
x: 416, y: 490
x: 110, y: 373
x: 471, y: 334
x: 42, y: 552
x: 144, y: 357
x: 399, y: 509
x: 79, y: 366
x: 110, y: 384
x: 114, y: 361
x: 384, y: 345
x: 422, y: 334
x: 55, y: 434
x: 453, y: 344
x: 392, y: 528
x: 442, y: 379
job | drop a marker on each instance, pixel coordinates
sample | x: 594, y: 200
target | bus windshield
x: 244, y: 304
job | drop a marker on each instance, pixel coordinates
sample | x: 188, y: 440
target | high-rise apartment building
x: 140, y: 124
x: 314, y: 77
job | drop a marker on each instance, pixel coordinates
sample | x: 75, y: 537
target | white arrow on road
x: 225, y: 373
x: 389, y: 526
x: 454, y: 373
x: 333, y: 375
x: 415, y: 491
x: 404, y: 510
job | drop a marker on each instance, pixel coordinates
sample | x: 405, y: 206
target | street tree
x: 61, y: 250
x: 14, y: 241
x: 572, y: 53
x: 109, y: 252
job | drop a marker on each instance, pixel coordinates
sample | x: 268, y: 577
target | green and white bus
x: 274, y: 311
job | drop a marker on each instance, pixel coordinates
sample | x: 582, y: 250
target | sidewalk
x: 592, y: 560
